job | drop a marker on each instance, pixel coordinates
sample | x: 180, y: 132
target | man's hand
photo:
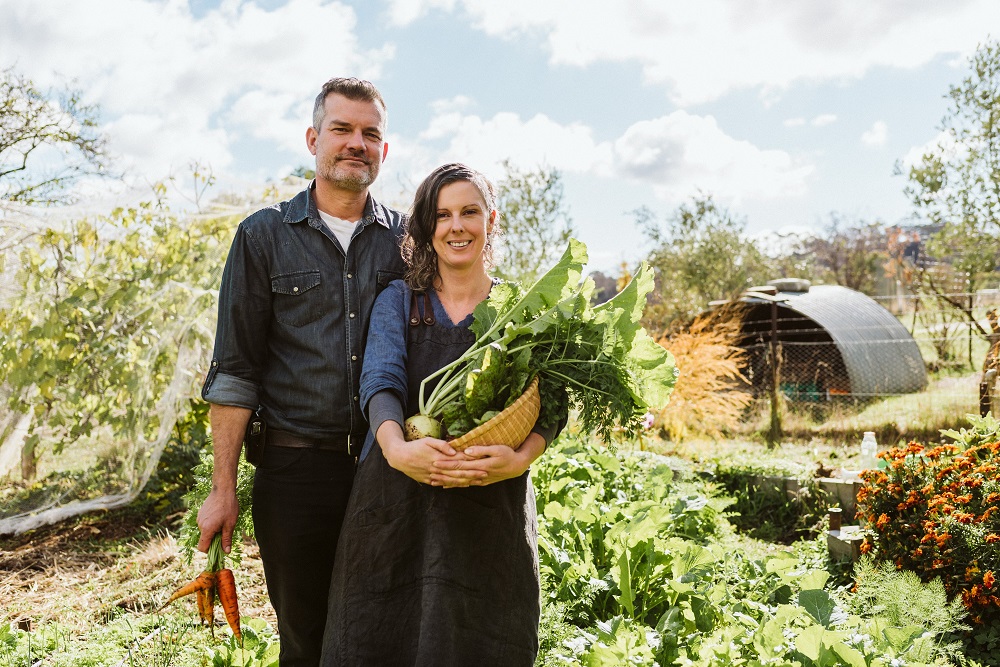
x: 219, y: 511
x: 218, y: 515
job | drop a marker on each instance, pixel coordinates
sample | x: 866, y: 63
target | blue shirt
x: 293, y: 315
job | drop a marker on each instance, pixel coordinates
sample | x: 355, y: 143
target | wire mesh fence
x: 905, y: 366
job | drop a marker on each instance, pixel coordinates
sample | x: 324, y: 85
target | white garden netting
x: 106, y: 329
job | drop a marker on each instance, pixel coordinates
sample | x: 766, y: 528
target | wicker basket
x: 509, y: 427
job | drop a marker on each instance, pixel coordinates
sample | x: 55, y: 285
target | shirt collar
x: 303, y: 207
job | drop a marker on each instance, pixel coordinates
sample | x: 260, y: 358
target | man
x: 294, y: 303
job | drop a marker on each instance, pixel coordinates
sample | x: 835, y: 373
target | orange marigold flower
x: 989, y: 579
x: 882, y: 522
x: 992, y: 538
x: 918, y: 552
x: 866, y: 546
x: 938, y: 563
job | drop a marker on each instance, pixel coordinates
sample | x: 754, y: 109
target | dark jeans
x: 299, y: 499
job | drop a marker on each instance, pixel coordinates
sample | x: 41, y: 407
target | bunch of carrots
x: 215, y: 581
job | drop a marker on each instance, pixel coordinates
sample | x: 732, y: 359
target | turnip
x: 421, y: 426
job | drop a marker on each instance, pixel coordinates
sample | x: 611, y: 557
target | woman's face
x: 463, y: 224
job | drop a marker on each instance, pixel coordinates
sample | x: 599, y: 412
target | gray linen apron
x: 430, y: 576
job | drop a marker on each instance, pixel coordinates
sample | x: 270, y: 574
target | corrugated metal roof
x: 880, y: 354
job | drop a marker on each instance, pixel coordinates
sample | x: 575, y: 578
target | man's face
x: 349, y: 145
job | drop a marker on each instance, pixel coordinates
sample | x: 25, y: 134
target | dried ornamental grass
x: 709, y: 398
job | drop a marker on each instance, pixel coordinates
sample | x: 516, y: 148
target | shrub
x: 936, y: 511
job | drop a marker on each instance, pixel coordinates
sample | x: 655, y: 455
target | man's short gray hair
x: 358, y: 90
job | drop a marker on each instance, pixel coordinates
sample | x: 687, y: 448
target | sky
x: 783, y: 110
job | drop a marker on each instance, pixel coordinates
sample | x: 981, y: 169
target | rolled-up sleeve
x: 244, y: 316
x: 385, y: 352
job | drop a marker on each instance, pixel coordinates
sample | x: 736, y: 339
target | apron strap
x: 418, y: 315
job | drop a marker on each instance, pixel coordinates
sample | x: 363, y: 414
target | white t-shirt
x: 342, y: 229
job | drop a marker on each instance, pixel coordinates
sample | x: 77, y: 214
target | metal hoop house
x: 831, y: 341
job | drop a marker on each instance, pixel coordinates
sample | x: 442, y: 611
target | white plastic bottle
x: 869, y: 451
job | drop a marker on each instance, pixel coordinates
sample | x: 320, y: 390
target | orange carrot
x: 206, y: 607
x: 203, y: 581
x: 226, y: 587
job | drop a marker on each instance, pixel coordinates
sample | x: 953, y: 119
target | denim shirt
x: 293, y: 316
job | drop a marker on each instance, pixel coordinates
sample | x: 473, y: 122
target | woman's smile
x: 463, y: 226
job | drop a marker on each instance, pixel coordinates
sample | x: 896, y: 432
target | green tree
x: 702, y: 254
x: 105, y: 336
x: 536, y: 224
x: 48, y: 140
x: 956, y: 185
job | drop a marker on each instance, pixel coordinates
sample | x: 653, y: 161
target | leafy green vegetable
x: 598, y: 359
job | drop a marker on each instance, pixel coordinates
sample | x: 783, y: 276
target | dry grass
x: 66, y: 580
x: 708, y: 400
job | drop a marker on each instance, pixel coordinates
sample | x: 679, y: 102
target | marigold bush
x: 935, y: 510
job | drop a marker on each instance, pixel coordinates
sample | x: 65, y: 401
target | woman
x: 437, y: 562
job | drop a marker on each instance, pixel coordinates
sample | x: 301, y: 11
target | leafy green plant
x: 260, y: 647
x: 612, y: 370
x: 768, y: 512
x: 196, y: 495
x: 900, y: 599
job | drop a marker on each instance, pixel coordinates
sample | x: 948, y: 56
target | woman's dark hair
x: 418, y: 243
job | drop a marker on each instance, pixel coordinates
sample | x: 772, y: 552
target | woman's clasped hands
x: 435, y: 462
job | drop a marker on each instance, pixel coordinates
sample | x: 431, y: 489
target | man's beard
x: 347, y: 178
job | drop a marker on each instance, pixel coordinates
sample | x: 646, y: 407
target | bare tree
x: 48, y: 139
x: 851, y: 253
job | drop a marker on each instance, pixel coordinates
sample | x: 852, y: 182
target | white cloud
x: 680, y: 153
x: 676, y: 154
x: 943, y: 144
x: 704, y: 50
x: 484, y: 143
x: 876, y: 135
x: 457, y: 103
x: 174, y: 87
x: 823, y: 119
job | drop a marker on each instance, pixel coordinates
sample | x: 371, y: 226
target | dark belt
x: 347, y: 444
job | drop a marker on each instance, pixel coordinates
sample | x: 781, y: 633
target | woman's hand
x: 495, y: 462
x: 419, y: 459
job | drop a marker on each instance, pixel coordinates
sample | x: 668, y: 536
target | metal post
x: 774, y: 432
x: 986, y: 390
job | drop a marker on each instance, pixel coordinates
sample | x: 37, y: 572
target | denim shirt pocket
x: 296, y: 301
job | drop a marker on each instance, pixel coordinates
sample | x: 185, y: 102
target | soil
x: 94, y: 567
